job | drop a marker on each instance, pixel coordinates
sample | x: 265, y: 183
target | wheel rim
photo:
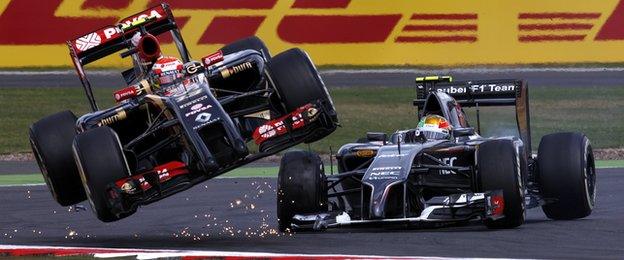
x: 42, y: 167
x: 590, y: 178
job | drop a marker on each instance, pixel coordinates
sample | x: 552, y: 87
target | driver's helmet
x: 434, y: 127
x: 166, y: 70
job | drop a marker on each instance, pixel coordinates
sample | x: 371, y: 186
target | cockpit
x: 443, y: 105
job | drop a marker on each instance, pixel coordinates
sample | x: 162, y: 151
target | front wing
x: 455, y: 208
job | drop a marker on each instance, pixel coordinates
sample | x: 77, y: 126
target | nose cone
x: 378, y: 209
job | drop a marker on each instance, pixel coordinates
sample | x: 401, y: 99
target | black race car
x: 420, y: 179
x: 153, y: 144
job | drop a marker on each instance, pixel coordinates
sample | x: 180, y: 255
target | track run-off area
x: 387, y: 77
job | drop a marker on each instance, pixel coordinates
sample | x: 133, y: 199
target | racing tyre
x: 567, y: 174
x: 297, y: 81
x: 101, y: 162
x: 301, y: 186
x: 498, y: 169
x: 252, y: 42
x: 51, y: 140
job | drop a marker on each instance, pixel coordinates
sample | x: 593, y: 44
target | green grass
x: 17, y: 179
x: 610, y: 164
x: 596, y: 111
x: 244, y: 172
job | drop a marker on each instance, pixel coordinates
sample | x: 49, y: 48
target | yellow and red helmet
x: 434, y: 127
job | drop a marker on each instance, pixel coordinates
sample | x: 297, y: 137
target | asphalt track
x: 218, y: 215
x: 537, y: 77
x: 239, y: 215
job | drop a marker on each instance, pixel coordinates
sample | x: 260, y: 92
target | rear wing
x: 475, y: 93
x: 113, y: 38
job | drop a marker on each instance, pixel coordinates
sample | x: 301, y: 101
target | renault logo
x: 203, y: 117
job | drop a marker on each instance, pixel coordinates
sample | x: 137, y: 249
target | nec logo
x: 450, y: 162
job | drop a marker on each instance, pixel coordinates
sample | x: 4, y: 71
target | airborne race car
x: 153, y: 144
x: 414, y: 179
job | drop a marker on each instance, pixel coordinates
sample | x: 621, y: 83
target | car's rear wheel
x: 302, y: 187
x: 252, y: 42
x: 567, y: 174
x: 499, y: 169
x: 101, y: 162
x: 51, y: 141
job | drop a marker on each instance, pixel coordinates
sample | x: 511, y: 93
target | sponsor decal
x: 391, y: 155
x: 278, y: 126
x: 88, y: 41
x: 194, y: 101
x: 389, y: 168
x: 270, y: 130
x: 205, y: 124
x: 128, y: 187
x: 563, y: 31
x: 478, y: 88
x: 492, y: 88
x: 213, y: 58
x: 365, y: 153
x: 93, y: 39
x: 227, y: 72
x: 163, y: 174
x: 198, y: 108
x: 141, y: 18
x: 127, y: 92
x: 450, y: 162
x: 193, y: 68
x: 440, y: 28
x: 109, y: 32
x: 267, y: 131
x: 385, y: 173
x: 203, y: 117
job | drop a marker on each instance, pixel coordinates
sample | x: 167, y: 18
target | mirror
x: 376, y: 136
x: 465, y: 131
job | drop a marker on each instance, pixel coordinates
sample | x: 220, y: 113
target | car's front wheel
x: 499, y: 169
x: 249, y: 43
x: 297, y: 81
x: 101, y: 162
x: 301, y: 188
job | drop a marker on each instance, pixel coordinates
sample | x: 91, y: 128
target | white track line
x: 162, y: 253
x: 22, y: 185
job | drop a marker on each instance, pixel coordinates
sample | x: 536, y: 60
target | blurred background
x: 368, y: 52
